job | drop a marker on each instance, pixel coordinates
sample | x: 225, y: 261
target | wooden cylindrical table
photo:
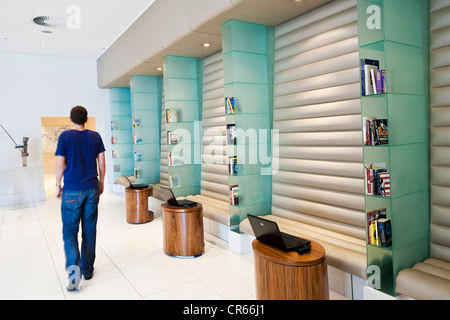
x: 183, y: 230
x: 284, y: 275
x: 136, y: 200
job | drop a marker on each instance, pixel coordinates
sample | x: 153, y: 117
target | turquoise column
x: 121, y: 132
x: 182, y: 93
x: 395, y: 33
x: 248, y: 78
x: 146, y: 93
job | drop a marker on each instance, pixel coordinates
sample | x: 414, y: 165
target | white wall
x: 35, y: 86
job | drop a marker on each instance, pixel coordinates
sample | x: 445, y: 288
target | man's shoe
x: 88, y: 276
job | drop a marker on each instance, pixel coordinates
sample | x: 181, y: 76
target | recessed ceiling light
x: 206, y: 44
x: 159, y: 68
x: 48, y: 21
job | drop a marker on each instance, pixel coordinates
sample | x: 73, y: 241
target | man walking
x: 78, y: 154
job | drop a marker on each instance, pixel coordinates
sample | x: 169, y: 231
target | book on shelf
x: 229, y: 105
x: 174, y: 160
x: 137, y: 173
x: 171, y: 115
x: 372, y: 231
x: 115, y: 153
x: 137, y: 139
x: 381, y: 81
x: 117, y: 168
x: 375, y: 131
x: 234, y: 195
x: 137, y: 156
x: 136, y: 122
x: 172, y: 137
x: 373, y: 79
x: 231, y: 134
x: 174, y: 181
x: 113, y: 140
x: 378, y: 228
x: 232, y: 166
x: 377, y: 180
x: 384, y: 232
x: 114, y: 125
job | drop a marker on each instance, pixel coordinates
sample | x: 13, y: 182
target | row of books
x: 377, y: 180
x: 379, y: 228
x: 373, y: 80
x: 375, y: 131
x: 234, y: 195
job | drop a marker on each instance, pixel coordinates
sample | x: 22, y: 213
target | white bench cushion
x: 427, y: 280
x: 214, y: 209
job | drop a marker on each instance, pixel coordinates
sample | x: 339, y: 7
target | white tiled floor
x: 130, y: 261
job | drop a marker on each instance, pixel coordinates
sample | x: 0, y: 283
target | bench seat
x: 343, y: 252
x: 427, y: 280
x: 214, y: 209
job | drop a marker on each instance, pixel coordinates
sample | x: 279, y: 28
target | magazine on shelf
x: 136, y: 122
x: 172, y: 137
x: 114, y: 125
x: 171, y: 115
x: 367, y: 81
x: 175, y: 160
x: 229, y: 105
x: 234, y: 195
x: 137, y: 139
x: 232, y: 166
x: 231, y: 134
x: 137, y: 156
x: 174, y: 181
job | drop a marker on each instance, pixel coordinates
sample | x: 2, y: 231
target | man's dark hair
x: 78, y: 115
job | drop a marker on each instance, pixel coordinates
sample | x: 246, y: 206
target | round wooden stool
x: 183, y: 230
x: 136, y: 200
x: 284, y: 275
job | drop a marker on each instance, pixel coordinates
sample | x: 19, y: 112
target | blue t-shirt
x: 81, y: 149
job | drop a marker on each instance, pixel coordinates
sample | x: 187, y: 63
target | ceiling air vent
x: 50, y: 22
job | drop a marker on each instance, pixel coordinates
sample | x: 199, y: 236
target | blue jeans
x: 80, y: 206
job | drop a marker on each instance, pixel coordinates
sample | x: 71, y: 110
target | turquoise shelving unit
x: 182, y: 93
x: 121, y: 132
x: 248, y: 72
x: 395, y: 34
x: 146, y: 126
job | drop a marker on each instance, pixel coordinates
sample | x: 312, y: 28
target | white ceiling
x: 101, y: 23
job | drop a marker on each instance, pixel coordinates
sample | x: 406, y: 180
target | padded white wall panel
x: 164, y: 172
x: 317, y: 110
x: 440, y: 129
x: 214, y: 175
